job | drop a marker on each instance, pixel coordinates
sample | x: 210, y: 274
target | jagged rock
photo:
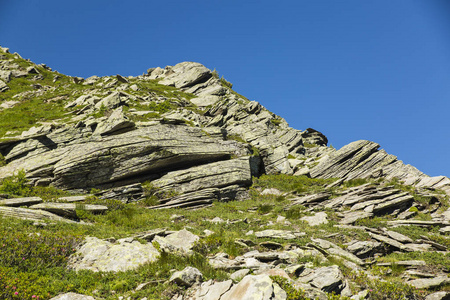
x: 317, y: 219
x: 180, y: 241
x: 72, y: 296
x: 332, y: 248
x: 429, y: 283
x: 398, y: 236
x: 17, y: 202
x: 112, y: 101
x: 438, y: 296
x: 194, y: 199
x: 69, y: 209
x: 125, y: 193
x: 218, y: 174
x: 362, y: 159
x: 310, y: 199
x: 187, y: 277
x: 238, y: 275
x: 364, y: 249
x: 116, y: 123
x: 5, y: 75
x: 205, y: 100
x: 31, y: 214
x: 211, y: 290
x: 3, y: 86
x: 100, y: 255
x: 445, y: 230
x: 328, y: 279
x: 186, y: 74
x: 255, y: 287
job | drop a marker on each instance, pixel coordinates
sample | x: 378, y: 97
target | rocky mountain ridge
x: 180, y: 137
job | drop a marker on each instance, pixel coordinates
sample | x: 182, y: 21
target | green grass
x: 287, y: 183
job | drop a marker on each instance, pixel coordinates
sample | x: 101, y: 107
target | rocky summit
x: 170, y: 185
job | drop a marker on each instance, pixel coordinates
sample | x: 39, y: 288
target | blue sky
x: 375, y: 70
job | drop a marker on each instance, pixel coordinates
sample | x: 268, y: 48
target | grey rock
x: 112, y: 101
x: 205, y: 100
x: 72, y: 296
x: 364, y: 249
x: 116, y: 123
x: 69, y: 209
x: 438, y: 296
x: 405, y: 263
x: 5, y: 75
x: 279, y: 234
x: 3, y: 86
x: 149, y: 150
x: 31, y: 214
x: 445, y: 230
x: 317, y: 219
x: 17, y: 202
x: 100, y: 255
x: 255, y: 287
x: 186, y: 74
x: 218, y: 174
x: 398, y: 236
x: 238, y: 275
x: 181, y: 241
x: 73, y: 198
x: 211, y: 290
x: 429, y: 283
x: 332, y: 248
x: 187, y: 277
x: 271, y: 191
x: 328, y: 279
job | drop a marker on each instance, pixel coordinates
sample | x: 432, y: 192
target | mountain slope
x: 104, y: 163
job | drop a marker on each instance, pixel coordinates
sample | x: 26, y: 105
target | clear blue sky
x: 354, y: 69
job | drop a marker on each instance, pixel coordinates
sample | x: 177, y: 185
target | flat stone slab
x: 31, y: 214
x: 72, y: 296
x: 429, y: 283
x: 73, y: 198
x: 419, y: 223
x: 389, y: 241
x: 279, y: 234
x: 406, y: 263
x: 17, y: 202
x: 69, y: 209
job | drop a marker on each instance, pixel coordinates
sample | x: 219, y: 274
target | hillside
x: 111, y: 186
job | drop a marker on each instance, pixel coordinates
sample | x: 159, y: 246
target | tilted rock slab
x: 100, y: 255
x: 214, y: 175
x: 99, y: 161
x: 362, y: 159
x: 17, y: 202
x: 69, y: 209
x: 31, y: 214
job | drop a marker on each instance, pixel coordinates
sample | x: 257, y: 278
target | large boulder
x: 255, y: 287
x: 186, y: 74
x: 100, y: 255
